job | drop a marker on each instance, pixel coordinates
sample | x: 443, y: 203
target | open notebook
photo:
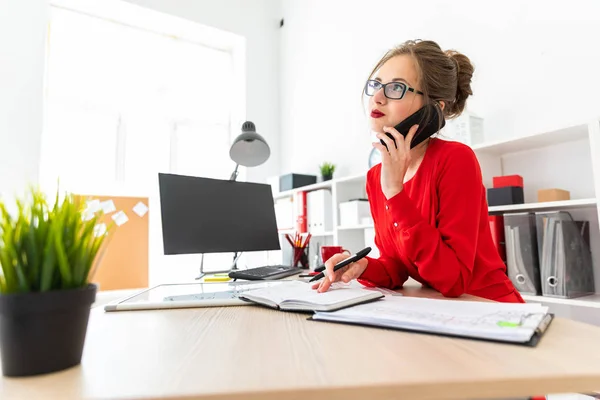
x: 504, y: 322
x: 299, y: 296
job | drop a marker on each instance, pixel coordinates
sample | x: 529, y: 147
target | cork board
x: 124, y: 263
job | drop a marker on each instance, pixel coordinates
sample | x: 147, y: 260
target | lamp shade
x: 249, y: 149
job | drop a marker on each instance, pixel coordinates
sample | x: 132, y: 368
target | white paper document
x: 486, y: 320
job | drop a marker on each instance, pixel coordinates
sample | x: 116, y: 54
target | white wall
x: 23, y: 26
x: 22, y: 43
x: 536, y: 68
x: 258, y: 22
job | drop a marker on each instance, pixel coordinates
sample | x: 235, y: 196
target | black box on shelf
x: 505, y: 195
x: 293, y: 181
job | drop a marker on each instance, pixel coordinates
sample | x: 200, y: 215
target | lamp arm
x: 234, y: 174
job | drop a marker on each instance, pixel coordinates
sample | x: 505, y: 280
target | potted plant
x: 47, y: 255
x: 327, y: 170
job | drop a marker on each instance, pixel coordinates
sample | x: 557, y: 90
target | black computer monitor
x: 202, y: 215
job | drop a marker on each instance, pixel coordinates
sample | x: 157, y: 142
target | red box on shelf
x: 507, y: 180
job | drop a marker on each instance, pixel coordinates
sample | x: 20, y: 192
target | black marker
x: 359, y: 255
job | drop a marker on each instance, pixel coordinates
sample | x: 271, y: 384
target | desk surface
x: 256, y: 353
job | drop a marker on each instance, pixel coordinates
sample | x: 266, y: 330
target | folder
x: 511, y: 323
x: 320, y: 215
x: 566, y: 265
x: 522, y: 252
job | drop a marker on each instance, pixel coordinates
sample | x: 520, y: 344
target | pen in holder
x: 300, y: 247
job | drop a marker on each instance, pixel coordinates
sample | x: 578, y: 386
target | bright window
x: 125, y: 102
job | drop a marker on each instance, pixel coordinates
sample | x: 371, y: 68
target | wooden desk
x: 256, y: 353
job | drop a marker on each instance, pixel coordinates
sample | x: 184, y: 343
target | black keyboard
x: 266, y: 272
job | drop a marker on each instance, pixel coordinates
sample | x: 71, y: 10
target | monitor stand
x: 236, y: 257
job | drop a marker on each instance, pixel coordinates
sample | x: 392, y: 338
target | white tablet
x: 188, y: 295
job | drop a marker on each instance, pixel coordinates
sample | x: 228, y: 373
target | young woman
x: 428, y: 202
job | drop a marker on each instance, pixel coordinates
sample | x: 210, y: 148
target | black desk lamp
x: 249, y: 149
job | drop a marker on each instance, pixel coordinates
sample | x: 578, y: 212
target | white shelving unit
x: 592, y: 301
x: 308, y: 188
x: 322, y: 234
x: 342, y: 189
x: 353, y: 227
x: 550, y: 205
x: 534, y: 141
x: 566, y: 158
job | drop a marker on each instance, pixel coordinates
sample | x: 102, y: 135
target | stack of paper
x: 508, y: 322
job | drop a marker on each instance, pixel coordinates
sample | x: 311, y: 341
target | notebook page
x: 277, y: 294
x: 302, y: 292
x: 504, y: 321
x: 333, y: 296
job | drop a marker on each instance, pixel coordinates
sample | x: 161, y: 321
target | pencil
x: 289, y: 239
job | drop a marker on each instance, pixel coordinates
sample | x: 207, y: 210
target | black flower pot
x: 327, y: 177
x: 43, y: 332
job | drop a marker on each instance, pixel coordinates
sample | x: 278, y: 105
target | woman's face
x: 390, y: 112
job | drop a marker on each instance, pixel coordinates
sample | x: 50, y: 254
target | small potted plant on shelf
x: 327, y: 170
x: 47, y: 255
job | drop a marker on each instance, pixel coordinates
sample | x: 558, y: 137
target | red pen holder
x: 300, y: 257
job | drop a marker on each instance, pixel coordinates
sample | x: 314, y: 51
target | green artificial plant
x: 327, y: 170
x: 45, y: 248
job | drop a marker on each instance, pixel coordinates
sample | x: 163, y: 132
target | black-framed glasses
x: 391, y: 90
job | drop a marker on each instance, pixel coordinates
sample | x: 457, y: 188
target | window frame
x: 173, y: 27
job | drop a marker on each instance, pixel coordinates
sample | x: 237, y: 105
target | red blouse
x: 437, y: 229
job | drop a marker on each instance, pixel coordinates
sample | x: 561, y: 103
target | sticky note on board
x: 120, y: 218
x: 100, y: 230
x: 140, y: 209
x: 108, y: 206
x: 87, y: 215
x: 93, y: 206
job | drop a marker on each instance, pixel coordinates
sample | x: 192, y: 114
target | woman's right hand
x: 346, y: 274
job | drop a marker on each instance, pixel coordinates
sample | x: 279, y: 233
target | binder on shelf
x: 566, y: 265
x: 301, y: 209
x: 522, y: 259
x: 320, y: 216
x: 497, y: 229
x: 284, y: 213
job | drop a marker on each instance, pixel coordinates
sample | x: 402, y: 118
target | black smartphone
x: 430, y: 120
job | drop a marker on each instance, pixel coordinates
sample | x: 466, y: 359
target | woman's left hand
x: 394, y: 160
